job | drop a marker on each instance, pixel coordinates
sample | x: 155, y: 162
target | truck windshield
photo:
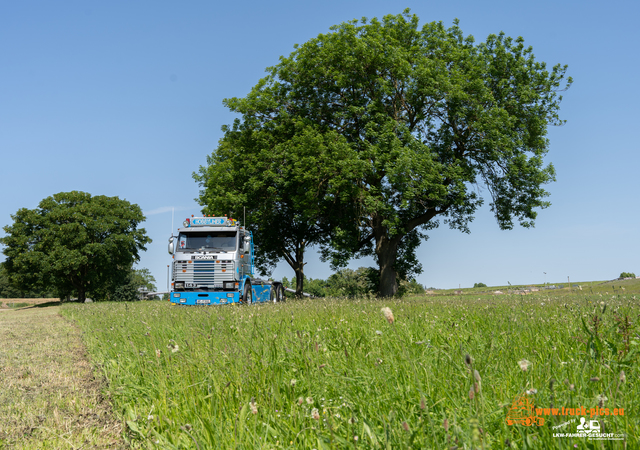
x: 208, y: 241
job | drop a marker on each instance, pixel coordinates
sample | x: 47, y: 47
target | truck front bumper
x: 204, y: 298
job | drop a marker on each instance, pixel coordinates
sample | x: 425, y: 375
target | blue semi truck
x: 213, y: 264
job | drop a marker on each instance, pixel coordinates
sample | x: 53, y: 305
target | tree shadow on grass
x: 45, y: 305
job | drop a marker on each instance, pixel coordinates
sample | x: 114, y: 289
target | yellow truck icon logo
x: 522, y: 412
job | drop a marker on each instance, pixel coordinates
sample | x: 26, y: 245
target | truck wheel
x: 280, y: 294
x: 247, y: 298
x: 273, y: 294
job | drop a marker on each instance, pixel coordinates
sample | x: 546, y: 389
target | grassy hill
x: 613, y: 287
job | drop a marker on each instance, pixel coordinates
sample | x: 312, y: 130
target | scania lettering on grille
x: 201, y: 257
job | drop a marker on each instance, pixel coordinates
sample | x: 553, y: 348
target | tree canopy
x: 424, y: 119
x: 74, y: 244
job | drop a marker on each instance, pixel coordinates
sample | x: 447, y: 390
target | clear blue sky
x: 125, y: 99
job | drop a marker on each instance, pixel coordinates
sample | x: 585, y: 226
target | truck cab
x: 213, y: 264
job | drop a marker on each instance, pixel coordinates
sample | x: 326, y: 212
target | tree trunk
x: 386, y: 251
x: 297, y: 264
x: 299, y: 279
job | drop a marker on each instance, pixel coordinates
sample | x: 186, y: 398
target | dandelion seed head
x: 524, y: 364
x: 601, y: 400
x: 388, y: 314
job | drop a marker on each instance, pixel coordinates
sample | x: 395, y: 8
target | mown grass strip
x: 49, y: 396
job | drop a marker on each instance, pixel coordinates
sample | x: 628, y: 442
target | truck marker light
x: 184, y: 270
x: 241, y: 256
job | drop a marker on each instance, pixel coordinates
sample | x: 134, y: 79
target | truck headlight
x: 229, y: 284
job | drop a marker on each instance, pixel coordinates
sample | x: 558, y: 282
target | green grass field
x: 336, y: 374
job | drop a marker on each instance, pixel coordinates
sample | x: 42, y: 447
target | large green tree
x: 74, y: 243
x: 430, y: 117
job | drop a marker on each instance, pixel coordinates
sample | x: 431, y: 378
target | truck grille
x: 209, y: 274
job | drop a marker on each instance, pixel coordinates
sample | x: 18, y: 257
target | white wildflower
x: 524, y: 364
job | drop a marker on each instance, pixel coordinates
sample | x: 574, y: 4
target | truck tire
x: 273, y: 293
x: 280, y: 293
x: 247, y: 298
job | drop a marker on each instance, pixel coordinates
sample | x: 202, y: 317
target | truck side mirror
x: 247, y: 244
x: 171, y: 245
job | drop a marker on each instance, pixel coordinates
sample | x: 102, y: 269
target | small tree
x: 284, y: 176
x: 479, y: 285
x: 627, y: 275
x: 74, y: 243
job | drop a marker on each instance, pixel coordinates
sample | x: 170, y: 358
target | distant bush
x: 352, y: 283
x: 411, y: 287
x: 479, y: 285
x: 627, y: 275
